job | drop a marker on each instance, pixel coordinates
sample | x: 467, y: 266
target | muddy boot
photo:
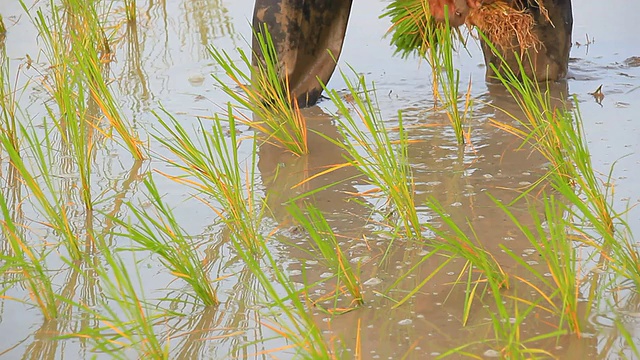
x: 308, y: 36
x: 551, y: 60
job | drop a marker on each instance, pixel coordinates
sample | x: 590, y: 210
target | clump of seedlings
x: 507, y: 26
x: 261, y: 91
x: 377, y: 154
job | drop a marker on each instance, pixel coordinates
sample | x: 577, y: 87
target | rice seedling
x: 413, y: 28
x: 212, y: 167
x: 126, y: 320
x: 3, y: 28
x: 265, y: 94
x: 72, y: 122
x: 507, y: 325
x: 434, y: 251
x: 8, y: 100
x: 287, y: 304
x: 455, y: 240
x: 374, y: 152
x: 558, y: 135
x: 446, y: 82
x: 507, y: 320
x: 552, y: 242
x: 42, y: 186
x: 160, y: 233
x: 324, y: 242
x: 30, y: 265
x: 75, y: 48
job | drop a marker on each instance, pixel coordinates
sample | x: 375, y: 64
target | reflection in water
x: 192, y: 336
x: 209, y: 20
x: 133, y: 79
x: 286, y: 177
x: 166, y: 36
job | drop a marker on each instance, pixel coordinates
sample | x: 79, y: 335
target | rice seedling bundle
x: 507, y: 27
x: 507, y: 24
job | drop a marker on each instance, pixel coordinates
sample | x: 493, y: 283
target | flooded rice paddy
x: 161, y: 67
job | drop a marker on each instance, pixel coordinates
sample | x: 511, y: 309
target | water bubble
x: 373, y: 282
x: 491, y: 353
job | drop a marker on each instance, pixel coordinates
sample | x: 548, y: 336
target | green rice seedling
x: 413, y: 29
x: 558, y: 135
x: 456, y: 241
x: 446, y: 80
x: 30, y: 265
x: 435, y: 251
x: 550, y: 238
x: 373, y: 151
x: 324, y: 242
x: 71, y: 117
x: 507, y: 319
x: 127, y: 321
x: 539, y: 115
x: 291, y: 314
x: 453, y: 242
x: 160, y: 233
x: 211, y: 166
x: 592, y: 199
x: 75, y: 49
x: 631, y: 341
x: 265, y: 94
x: 3, y: 28
x: 41, y: 184
x: 507, y: 325
x: 8, y: 100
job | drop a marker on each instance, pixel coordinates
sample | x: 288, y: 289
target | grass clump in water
x: 550, y: 237
x: 127, y: 321
x: 324, y: 242
x: 265, y: 94
x: 30, y: 265
x: 558, y: 135
x: 211, y: 166
x: 159, y: 233
x: 373, y: 151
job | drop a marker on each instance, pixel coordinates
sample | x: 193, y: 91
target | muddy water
x: 164, y: 61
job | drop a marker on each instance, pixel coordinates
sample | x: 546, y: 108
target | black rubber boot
x: 308, y: 36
